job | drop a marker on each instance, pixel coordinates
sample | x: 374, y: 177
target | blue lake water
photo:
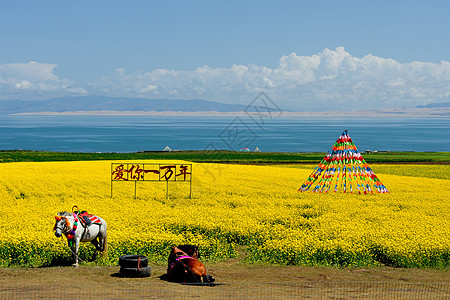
x: 283, y: 134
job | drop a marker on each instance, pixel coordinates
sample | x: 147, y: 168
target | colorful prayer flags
x: 344, y: 168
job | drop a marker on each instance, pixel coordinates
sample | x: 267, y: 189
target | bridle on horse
x: 65, y: 228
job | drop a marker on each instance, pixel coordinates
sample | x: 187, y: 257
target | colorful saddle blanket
x: 88, y: 219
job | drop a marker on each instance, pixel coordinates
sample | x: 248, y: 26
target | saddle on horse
x: 85, y: 218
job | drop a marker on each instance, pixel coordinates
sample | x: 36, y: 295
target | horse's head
x: 62, y: 224
x: 177, y: 252
x: 190, y: 250
x: 183, y: 250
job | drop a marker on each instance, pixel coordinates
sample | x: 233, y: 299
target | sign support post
x: 167, y: 189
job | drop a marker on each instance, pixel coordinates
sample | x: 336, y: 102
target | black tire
x: 132, y: 261
x: 134, y: 272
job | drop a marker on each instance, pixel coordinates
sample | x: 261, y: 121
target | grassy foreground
x: 221, y: 156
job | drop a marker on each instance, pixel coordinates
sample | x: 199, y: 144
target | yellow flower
x: 232, y: 205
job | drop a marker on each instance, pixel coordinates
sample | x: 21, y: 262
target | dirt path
x: 225, y: 272
x: 235, y: 280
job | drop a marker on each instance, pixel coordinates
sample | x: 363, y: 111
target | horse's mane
x: 64, y: 214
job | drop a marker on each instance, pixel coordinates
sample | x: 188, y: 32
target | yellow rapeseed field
x: 232, y: 206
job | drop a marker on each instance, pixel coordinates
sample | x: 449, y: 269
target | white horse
x: 76, y: 231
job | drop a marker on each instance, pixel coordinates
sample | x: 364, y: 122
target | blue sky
x: 335, y: 54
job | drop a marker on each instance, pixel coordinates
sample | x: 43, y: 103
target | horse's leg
x: 190, y: 275
x: 208, y: 278
x: 74, y: 258
x: 75, y: 251
x: 97, y: 246
x: 104, y: 244
x: 197, y: 268
x: 198, y: 274
x: 199, y: 271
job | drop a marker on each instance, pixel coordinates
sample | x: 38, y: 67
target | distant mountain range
x: 435, y: 105
x: 102, y: 103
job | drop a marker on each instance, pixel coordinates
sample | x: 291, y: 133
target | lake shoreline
x: 388, y: 112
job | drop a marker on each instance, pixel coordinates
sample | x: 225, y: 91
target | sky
x: 304, y: 55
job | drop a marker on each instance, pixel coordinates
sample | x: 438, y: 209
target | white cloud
x: 149, y: 89
x: 34, y: 80
x: 331, y: 79
x: 24, y: 84
x: 31, y: 71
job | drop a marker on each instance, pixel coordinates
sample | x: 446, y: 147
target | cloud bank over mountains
x: 329, y: 80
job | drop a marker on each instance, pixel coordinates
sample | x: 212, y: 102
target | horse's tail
x: 105, y: 245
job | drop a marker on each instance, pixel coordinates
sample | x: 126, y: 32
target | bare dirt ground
x: 224, y: 272
x: 234, y: 278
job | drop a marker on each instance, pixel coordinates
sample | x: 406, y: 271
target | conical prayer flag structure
x: 343, y: 169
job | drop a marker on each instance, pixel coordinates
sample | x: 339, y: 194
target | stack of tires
x: 134, y: 266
